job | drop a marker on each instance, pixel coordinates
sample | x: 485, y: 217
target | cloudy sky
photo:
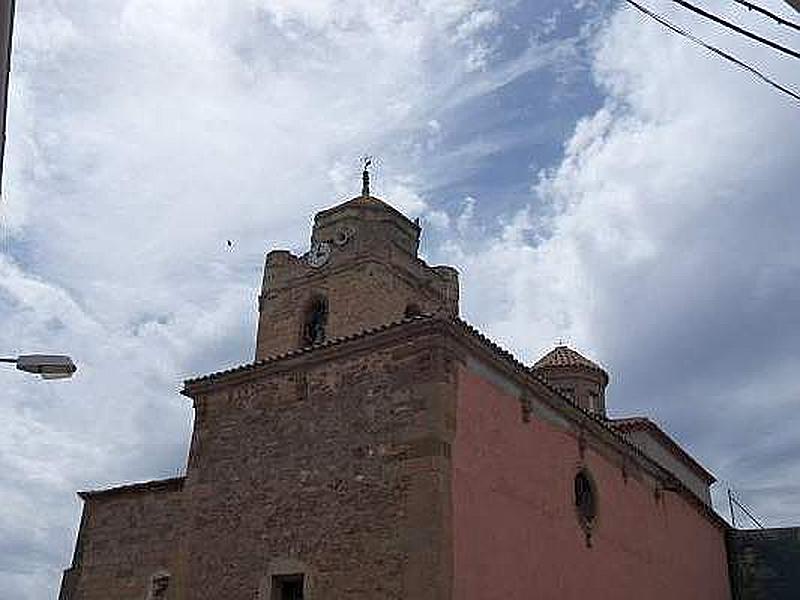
x: 594, y: 177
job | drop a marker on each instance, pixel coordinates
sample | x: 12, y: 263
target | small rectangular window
x: 159, y: 584
x: 287, y: 587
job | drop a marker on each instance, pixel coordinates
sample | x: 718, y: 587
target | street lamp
x: 49, y: 366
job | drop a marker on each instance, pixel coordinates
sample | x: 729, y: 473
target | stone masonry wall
x: 364, y: 296
x: 125, y: 539
x: 340, y: 467
x: 361, y: 293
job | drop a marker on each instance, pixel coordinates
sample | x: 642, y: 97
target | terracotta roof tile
x: 628, y: 424
x: 563, y: 356
x: 365, y: 201
x: 307, y: 349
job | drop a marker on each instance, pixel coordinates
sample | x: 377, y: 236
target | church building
x: 380, y: 448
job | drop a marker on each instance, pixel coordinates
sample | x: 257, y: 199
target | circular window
x: 585, y: 498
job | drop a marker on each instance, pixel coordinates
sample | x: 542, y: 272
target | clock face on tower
x: 319, y: 254
x: 344, y: 235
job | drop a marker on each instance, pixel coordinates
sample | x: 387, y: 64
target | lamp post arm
x: 48, y: 366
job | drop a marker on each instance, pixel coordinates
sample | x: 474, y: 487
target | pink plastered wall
x: 516, y: 532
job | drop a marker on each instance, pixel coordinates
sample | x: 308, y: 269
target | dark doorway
x: 287, y: 587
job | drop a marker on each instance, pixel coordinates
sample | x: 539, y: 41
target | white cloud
x: 476, y: 22
x: 142, y: 135
x: 667, y: 248
x: 466, y: 217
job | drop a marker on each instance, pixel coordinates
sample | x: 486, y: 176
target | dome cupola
x: 579, y: 378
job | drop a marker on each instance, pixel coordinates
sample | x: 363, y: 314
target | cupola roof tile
x: 365, y: 202
x: 564, y: 356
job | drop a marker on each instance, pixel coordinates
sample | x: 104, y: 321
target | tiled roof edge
x: 495, y: 349
x: 644, y: 423
x: 574, y: 359
x: 307, y: 349
x: 155, y: 485
x: 368, y: 202
x: 670, y: 477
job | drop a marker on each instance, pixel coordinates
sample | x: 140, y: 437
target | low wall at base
x: 764, y: 564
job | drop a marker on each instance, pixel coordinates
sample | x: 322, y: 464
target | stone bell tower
x: 361, y: 271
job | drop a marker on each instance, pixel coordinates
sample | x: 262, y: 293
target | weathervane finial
x: 367, y: 160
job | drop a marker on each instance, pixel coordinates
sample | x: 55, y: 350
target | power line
x: 733, y: 500
x: 737, y: 29
x: 755, y: 72
x: 730, y: 506
x: 764, y: 11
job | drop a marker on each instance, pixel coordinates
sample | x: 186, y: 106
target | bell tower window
x: 594, y: 402
x: 315, y: 321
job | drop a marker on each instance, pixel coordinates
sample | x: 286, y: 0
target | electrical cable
x: 747, y: 512
x: 737, y: 29
x: 752, y: 70
x: 764, y: 11
x: 732, y: 499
